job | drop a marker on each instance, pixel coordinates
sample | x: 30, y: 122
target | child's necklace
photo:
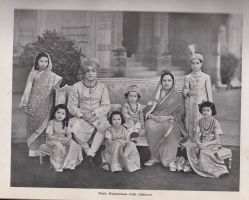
x: 58, y: 125
x: 134, y: 111
x: 207, y: 124
x: 117, y: 130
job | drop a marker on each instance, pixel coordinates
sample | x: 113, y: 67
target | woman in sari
x: 164, y: 126
x: 37, y: 100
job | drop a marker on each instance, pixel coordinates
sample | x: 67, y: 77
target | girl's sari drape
x: 38, y: 97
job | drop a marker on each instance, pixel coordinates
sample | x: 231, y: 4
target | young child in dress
x: 66, y: 153
x: 132, y: 111
x: 202, y: 153
x: 197, y: 87
x: 120, y: 153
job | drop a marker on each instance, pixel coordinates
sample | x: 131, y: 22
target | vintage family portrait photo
x: 126, y: 102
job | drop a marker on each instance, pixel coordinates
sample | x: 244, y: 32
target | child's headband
x: 194, y: 54
x: 133, y: 88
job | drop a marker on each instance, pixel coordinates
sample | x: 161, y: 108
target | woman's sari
x: 163, y: 138
x: 38, y: 98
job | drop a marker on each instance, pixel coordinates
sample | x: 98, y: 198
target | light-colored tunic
x: 200, y: 82
x: 64, y: 156
x: 136, y: 114
x: 121, y: 155
x: 81, y: 101
x: 205, y: 161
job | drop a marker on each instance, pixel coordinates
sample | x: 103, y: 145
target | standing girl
x: 202, y: 153
x: 120, y: 153
x: 66, y: 153
x: 37, y: 100
x: 197, y: 87
x: 132, y: 111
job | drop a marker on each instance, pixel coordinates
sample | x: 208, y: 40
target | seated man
x: 89, y: 103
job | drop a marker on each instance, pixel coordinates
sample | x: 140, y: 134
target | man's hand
x: 92, y: 119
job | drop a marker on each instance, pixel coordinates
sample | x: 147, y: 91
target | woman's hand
x: 25, y: 110
x: 161, y: 119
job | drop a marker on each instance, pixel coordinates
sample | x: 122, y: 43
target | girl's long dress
x: 38, y: 98
x: 113, y: 157
x: 200, y: 82
x: 205, y: 161
x: 63, y: 156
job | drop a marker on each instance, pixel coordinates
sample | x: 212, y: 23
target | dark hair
x: 208, y: 104
x: 116, y: 113
x: 167, y: 73
x: 64, y: 107
x: 37, y: 58
x: 127, y: 93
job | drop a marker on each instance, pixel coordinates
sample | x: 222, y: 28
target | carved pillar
x: 140, y: 49
x: 165, y: 34
x: 218, y: 77
x: 117, y: 30
x: 160, y: 42
x: 104, y: 37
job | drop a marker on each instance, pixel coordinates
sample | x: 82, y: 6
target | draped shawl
x: 170, y: 104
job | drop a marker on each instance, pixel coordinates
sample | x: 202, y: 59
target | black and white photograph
x: 126, y: 102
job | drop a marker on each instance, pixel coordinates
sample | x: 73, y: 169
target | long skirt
x: 205, y: 161
x: 164, y: 149
x: 121, y: 156
x: 65, y: 156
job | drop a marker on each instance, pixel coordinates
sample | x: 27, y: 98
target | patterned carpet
x: 28, y: 172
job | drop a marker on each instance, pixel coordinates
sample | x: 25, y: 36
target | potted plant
x: 120, y: 62
x: 64, y: 55
x: 229, y: 64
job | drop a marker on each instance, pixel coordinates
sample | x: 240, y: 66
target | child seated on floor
x: 120, y: 153
x: 132, y: 111
x: 66, y: 153
x: 202, y: 153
